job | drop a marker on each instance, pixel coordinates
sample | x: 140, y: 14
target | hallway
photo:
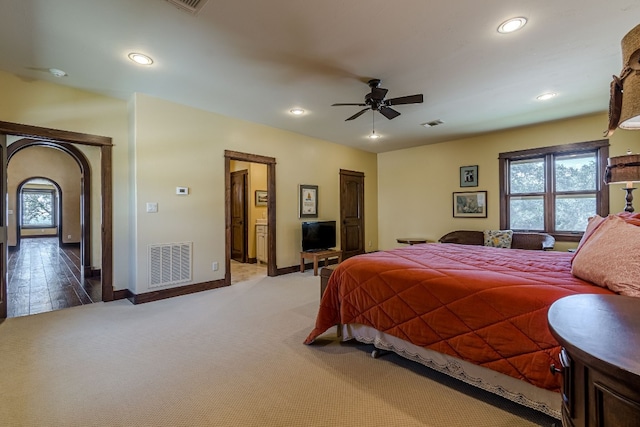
x: 44, y: 277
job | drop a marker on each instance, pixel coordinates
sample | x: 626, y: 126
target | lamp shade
x: 623, y: 169
x: 624, y: 107
x: 630, y: 112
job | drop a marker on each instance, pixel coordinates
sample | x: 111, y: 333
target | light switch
x: 152, y: 207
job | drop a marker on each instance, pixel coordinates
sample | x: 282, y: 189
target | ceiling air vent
x: 432, y: 123
x: 191, y: 6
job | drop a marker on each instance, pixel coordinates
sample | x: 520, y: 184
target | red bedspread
x: 485, y: 305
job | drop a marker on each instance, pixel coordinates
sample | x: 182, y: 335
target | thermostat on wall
x: 182, y: 190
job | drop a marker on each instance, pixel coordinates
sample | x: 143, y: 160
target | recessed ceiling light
x: 546, y: 96
x: 140, y: 58
x: 297, y: 111
x: 511, y: 25
x: 57, y: 72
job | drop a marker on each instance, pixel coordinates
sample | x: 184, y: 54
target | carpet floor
x: 226, y: 357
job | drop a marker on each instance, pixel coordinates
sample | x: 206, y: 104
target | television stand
x: 317, y: 255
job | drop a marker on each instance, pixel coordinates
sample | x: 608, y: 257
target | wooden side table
x: 317, y: 255
x: 600, y: 336
x: 413, y: 240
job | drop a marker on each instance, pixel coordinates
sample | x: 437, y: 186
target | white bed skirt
x: 518, y: 391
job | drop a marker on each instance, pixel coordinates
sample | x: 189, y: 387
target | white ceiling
x: 255, y: 60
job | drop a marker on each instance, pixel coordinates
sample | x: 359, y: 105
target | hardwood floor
x: 44, y: 277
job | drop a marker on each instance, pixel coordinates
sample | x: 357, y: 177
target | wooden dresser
x: 600, y: 336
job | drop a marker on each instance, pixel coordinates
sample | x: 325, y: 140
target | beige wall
x: 159, y: 145
x: 180, y: 146
x: 57, y: 166
x: 49, y: 105
x: 416, y: 185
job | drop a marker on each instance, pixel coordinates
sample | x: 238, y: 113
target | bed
x: 473, y: 312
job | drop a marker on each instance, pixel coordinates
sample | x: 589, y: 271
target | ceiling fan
x: 375, y: 101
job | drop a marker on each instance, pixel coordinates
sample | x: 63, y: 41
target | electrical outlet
x: 214, y: 266
x: 370, y: 243
x: 68, y: 236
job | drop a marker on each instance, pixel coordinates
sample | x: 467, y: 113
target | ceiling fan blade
x: 378, y: 93
x: 389, y: 113
x: 411, y: 99
x: 358, y: 105
x: 358, y: 114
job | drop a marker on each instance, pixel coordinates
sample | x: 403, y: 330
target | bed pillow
x: 610, y: 257
x: 498, y: 238
x: 630, y: 217
x: 593, y: 223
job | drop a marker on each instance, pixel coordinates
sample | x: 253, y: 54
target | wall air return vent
x: 191, y: 6
x: 169, y: 264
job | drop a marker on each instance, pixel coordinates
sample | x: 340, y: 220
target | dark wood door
x: 239, y: 216
x: 3, y: 226
x: 351, y: 213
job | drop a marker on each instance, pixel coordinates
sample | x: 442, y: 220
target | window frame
x: 54, y: 204
x: 548, y: 154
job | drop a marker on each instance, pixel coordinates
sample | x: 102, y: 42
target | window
x: 38, y: 208
x: 554, y: 189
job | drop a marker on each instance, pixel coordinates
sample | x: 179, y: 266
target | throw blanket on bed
x: 485, y: 305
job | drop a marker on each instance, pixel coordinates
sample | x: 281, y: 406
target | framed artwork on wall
x: 471, y: 204
x: 308, y: 201
x: 261, y: 198
x: 469, y: 176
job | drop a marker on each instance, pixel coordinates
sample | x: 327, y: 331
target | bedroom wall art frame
x: 470, y: 204
x: 469, y: 176
x: 308, y: 196
x: 261, y: 198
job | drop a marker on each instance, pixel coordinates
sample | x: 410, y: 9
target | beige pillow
x: 592, y: 225
x: 610, y: 257
x: 498, y: 238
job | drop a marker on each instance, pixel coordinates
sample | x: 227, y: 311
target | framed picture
x: 261, y: 198
x: 469, y: 176
x: 308, y: 201
x: 472, y: 204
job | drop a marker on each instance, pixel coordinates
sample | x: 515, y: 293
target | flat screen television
x: 318, y: 235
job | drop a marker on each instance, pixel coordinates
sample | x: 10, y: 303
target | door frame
x: 56, y: 136
x: 271, y: 208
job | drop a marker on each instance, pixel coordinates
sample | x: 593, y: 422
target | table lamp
x: 624, y: 113
x: 624, y: 104
x: 624, y: 169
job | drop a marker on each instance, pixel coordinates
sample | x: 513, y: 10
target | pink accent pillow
x: 610, y: 257
x: 630, y: 217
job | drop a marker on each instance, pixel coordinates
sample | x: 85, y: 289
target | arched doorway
x: 56, y: 136
x: 85, y: 190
